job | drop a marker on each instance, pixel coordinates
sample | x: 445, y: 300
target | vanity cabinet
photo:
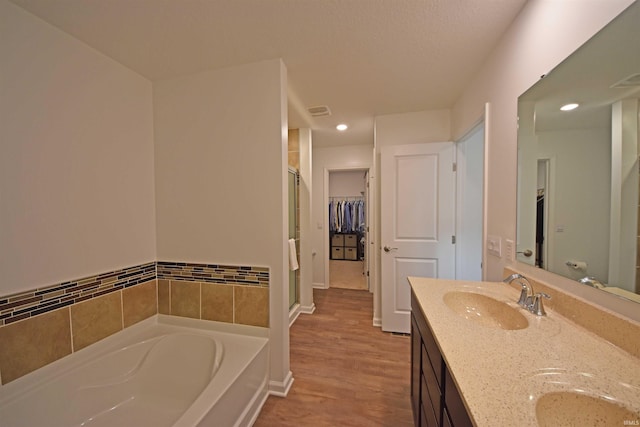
x: 435, y: 397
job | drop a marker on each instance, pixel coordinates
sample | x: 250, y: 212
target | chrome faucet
x: 592, y: 281
x: 526, y: 294
x: 532, y: 302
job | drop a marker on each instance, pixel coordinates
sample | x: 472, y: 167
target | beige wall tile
x: 164, y: 302
x: 251, y: 305
x: 32, y: 343
x: 139, y: 302
x: 293, y: 141
x: 217, y: 302
x: 95, y: 319
x: 185, y: 299
x: 293, y: 159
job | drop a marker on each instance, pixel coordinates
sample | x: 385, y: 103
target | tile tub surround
x: 34, y: 342
x: 501, y: 374
x: 36, y: 326
x: 41, y: 300
x: 608, y: 325
x: 214, y: 292
x: 230, y: 303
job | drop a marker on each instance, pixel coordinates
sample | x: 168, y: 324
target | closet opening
x: 348, y: 229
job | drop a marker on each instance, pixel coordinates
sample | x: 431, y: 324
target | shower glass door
x: 293, y: 228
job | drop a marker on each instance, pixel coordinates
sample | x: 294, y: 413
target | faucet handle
x: 536, y: 304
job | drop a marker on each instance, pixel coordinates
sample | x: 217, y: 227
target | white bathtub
x: 165, y: 371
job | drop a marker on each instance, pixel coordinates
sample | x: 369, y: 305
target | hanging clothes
x: 346, y: 216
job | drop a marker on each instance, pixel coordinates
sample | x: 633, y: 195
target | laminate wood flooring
x: 346, y: 371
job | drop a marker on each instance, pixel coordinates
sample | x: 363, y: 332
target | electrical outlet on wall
x: 494, y: 244
x: 509, y: 246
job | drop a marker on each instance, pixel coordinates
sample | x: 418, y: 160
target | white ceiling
x: 362, y: 58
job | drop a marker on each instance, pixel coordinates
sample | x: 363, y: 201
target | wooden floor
x: 346, y: 372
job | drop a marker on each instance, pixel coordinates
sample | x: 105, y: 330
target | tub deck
x: 164, y: 371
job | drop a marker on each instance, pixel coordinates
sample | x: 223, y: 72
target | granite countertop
x: 502, y: 373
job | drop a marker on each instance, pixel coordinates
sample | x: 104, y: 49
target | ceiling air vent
x: 630, y: 81
x: 320, y: 110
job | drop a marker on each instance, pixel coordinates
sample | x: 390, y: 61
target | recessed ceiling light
x: 569, y: 107
x: 342, y: 127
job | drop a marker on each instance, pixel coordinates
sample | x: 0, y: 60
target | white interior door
x: 417, y: 223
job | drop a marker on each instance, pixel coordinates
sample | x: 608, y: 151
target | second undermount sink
x: 485, y: 310
x: 577, y: 409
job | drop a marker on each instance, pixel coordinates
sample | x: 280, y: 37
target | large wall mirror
x: 578, y: 176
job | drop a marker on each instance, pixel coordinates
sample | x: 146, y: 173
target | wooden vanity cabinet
x: 435, y: 398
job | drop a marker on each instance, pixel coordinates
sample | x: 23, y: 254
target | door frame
x: 325, y: 198
x: 484, y: 119
x: 460, y: 175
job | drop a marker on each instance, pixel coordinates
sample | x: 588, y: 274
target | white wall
x: 415, y: 127
x: 221, y: 188
x: 324, y: 160
x: 544, y: 33
x: 76, y: 160
x: 346, y: 184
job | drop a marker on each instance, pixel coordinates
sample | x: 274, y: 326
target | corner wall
x: 76, y: 166
x: 221, y: 187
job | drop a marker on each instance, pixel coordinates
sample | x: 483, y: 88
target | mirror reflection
x: 578, y: 176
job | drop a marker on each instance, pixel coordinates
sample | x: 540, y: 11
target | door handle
x: 388, y: 249
x: 526, y: 252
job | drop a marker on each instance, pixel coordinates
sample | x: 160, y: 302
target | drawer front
x: 434, y: 354
x: 431, y: 385
x: 351, y: 240
x: 416, y: 346
x: 350, y: 253
x: 337, y: 240
x: 337, y: 253
x: 430, y: 411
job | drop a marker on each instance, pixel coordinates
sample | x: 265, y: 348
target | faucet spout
x: 526, y: 293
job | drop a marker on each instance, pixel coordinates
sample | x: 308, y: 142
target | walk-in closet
x: 347, y: 208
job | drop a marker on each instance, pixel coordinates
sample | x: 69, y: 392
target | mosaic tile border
x: 28, y: 304
x: 214, y: 273
x: 31, y: 303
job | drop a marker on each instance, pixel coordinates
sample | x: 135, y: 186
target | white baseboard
x: 319, y: 286
x: 377, y: 322
x: 308, y: 309
x: 293, y: 314
x: 281, y: 389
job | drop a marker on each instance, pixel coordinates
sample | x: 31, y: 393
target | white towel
x: 293, y: 259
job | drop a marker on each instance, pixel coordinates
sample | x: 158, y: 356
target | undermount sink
x: 485, y: 310
x: 577, y: 409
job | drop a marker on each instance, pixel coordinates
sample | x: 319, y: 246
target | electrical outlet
x: 509, y: 250
x: 494, y: 245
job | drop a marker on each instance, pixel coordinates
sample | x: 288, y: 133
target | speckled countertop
x: 502, y: 373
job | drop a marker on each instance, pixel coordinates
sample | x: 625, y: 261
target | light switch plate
x: 509, y: 250
x: 494, y: 244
